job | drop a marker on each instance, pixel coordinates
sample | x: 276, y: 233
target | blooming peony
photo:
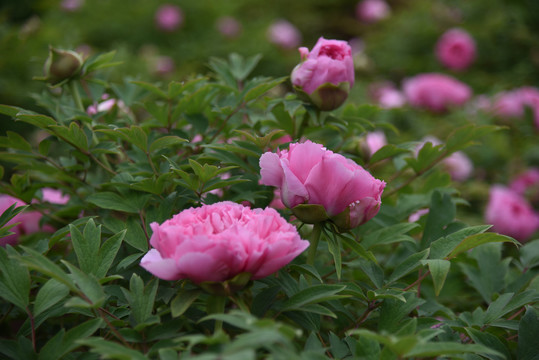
x: 526, y: 180
x: 386, y: 95
x: 373, y: 142
x: 511, y: 104
x: 325, y: 74
x: 217, y: 242
x: 436, y: 92
x: 284, y: 34
x: 456, y: 49
x: 168, y: 17
x: 371, y: 11
x: 307, y: 173
x: 510, y: 214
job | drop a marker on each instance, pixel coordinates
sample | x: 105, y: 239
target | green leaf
x: 14, y: 280
x: 183, y: 301
x: 334, y: 247
x: 65, y: 342
x: 100, y: 61
x: 373, y: 271
x: 464, y: 136
x: 72, y: 134
x: 107, y: 253
x: 306, y: 269
x: 112, y: 201
x: 11, y: 111
x: 141, y: 298
x: 490, y: 341
x: 38, y: 120
x: 442, y: 247
x: 389, y: 235
x: 166, y: 142
x: 408, y: 265
x: 357, y: 248
x: 426, y: 157
x: 528, y: 333
x: 475, y: 240
x: 49, y: 294
x: 438, y: 270
x: 442, y: 212
x: 313, y: 294
x: 261, y: 89
x: 88, y: 284
x: 151, y: 88
x: 86, y: 245
x: 428, y: 349
x: 39, y: 262
x: 15, y: 141
x: 111, y: 350
x: 386, y: 152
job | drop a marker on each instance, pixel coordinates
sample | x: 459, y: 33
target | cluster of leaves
x: 388, y: 289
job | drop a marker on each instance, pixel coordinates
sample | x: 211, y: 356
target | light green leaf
x: 438, y: 270
x: 475, y: 240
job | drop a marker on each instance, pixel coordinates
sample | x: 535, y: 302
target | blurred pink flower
x: 106, y: 105
x: 228, y: 26
x: 510, y: 214
x: 217, y: 242
x: 523, y: 182
x: 458, y: 165
x: 417, y: 215
x: 436, y: 92
x: 512, y: 104
x: 456, y: 49
x: 307, y: 173
x: 54, y: 196
x: 386, y: 95
x: 284, y: 34
x: 325, y: 74
x: 163, y: 65
x: 277, y: 203
x: 168, y: 17
x: 371, y: 11
x: 71, y: 5
x: 374, y: 141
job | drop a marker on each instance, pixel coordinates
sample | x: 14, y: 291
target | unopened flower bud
x: 62, y: 65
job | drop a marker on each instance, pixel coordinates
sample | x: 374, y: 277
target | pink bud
x: 456, y: 49
x: 168, y: 17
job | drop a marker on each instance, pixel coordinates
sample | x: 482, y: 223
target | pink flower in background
x: 456, y: 49
x: 228, y: 26
x: 325, y: 74
x: 217, y: 242
x: 371, y: 11
x: 54, y: 196
x: 106, y: 105
x: 510, y: 214
x: 307, y: 173
x: 523, y: 182
x: 277, y: 203
x: 163, y: 65
x: 29, y: 220
x: 512, y: 104
x: 71, y: 5
x: 386, y: 95
x: 417, y: 215
x: 284, y: 34
x: 436, y: 92
x: 374, y: 141
x: 168, y: 17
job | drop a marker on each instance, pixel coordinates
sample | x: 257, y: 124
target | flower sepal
x: 227, y: 287
x: 310, y: 213
x: 327, y: 96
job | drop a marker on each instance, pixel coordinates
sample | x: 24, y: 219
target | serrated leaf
x: 86, y: 245
x: 475, y: 240
x: 141, y: 298
x: 440, y: 248
x: 183, y: 301
x: 10, y: 110
x: 40, y: 121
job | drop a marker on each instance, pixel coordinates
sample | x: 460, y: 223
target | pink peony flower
x: 29, y: 220
x: 228, y: 26
x: 284, y: 34
x: 417, y: 215
x: 374, y: 141
x: 510, y: 214
x: 217, y: 242
x: 71, y: 5
x: 106, y: 105
x: 371, y: 11
x: 456, y: 49
x: 436, y: 92
x: 168, y: 17
x: 523, y: 182
x: 325, y: 74
x: 511, y: 104
x: 309, y: 174
x: 386, y: 95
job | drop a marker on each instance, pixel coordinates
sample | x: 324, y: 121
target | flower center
x: 332, y: 51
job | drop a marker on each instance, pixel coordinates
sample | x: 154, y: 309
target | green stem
x: 216, y: 305
x: 314, y: 239
x: 76, y: 96
x: 241, y: 304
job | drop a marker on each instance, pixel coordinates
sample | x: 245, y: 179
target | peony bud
x: 61, y: 66
x: 456, y: 49
x: 325, y: 75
